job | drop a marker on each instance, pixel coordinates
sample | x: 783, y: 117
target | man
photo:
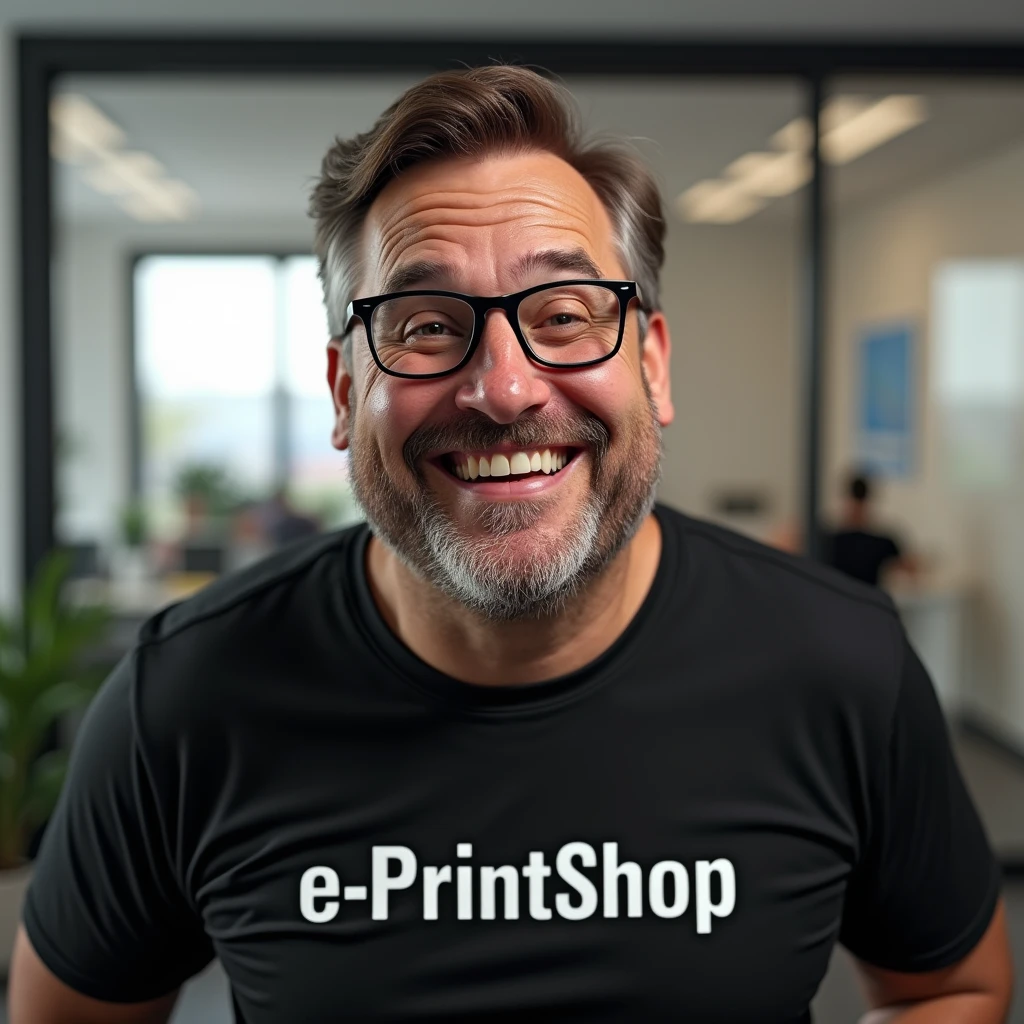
x: 527, y: 746
x: 855, y: 549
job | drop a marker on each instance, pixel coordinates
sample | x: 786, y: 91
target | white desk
x: 934, y: 619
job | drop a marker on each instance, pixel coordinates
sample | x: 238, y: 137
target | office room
x: 291, y: 678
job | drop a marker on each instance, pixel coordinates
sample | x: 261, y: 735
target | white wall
x: 883, y: 257
x: 727, y: 293
x: 730, y: 297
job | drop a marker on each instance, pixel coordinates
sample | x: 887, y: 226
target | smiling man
x: 525, y: 745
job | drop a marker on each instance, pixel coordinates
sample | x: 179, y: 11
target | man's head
x: 477, y: 182
x: 859, y: 487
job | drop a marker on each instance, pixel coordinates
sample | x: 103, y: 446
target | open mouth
x: 511, y: 465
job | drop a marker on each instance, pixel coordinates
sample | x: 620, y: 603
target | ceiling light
x: 718, y: 202
x: 162, y: 201
x: 842, y: 118
x: 841, y: 109
x: 771, y: 174
x: 121, y: 173
x: 794, y: 137
x: 874, y: 125
x: 79, y: 130
x: 141, y: 208
x: 181, y: 197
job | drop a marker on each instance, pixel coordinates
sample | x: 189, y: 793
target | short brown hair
x: 497, y: 108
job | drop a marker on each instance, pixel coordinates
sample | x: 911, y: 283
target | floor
x: 996, y: 782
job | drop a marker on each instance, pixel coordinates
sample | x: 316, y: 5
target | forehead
x: 480, y: 213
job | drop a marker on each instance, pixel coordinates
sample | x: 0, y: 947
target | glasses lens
x: 572, y: 323
x: 421, y: 334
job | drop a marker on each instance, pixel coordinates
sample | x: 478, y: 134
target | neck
x: 453, y: 640
x: 856, y: 515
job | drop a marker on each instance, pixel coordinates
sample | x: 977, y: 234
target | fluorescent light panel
x: 80, y: 130
x: 771, y: 175
x: 119, y: 174
x: 872, y: 127
x: 718, y: 202
x: 851, y: 127
x: 81, y: 134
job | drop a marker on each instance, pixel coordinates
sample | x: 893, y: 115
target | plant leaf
x: 56, y: 701
x: 42, y: 601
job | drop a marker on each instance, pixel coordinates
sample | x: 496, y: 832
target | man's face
x: 517, y: 546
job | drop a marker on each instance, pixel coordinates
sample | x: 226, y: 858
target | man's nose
x: 501, y: 380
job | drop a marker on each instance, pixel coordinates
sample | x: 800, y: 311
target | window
x: 978, y: 318
x: 231, y: 380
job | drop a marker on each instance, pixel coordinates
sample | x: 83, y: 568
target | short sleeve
x: 928, y: 884
x: 103, y: 909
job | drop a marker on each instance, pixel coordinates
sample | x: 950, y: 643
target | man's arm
x: 976, y: 990
x: 37, y: 996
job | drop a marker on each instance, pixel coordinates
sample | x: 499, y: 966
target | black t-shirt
x: 681, y: 830
x: 858, y: 553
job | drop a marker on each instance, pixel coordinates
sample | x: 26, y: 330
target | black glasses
x: 564, y: 325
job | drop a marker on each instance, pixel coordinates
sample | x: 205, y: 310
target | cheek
x: 609, y: 393
x: 394, y: 408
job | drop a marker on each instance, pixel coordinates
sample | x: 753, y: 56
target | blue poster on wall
x: 885, y: 431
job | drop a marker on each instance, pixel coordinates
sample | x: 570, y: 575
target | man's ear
x: 339, y: 380
x: 654, y: 358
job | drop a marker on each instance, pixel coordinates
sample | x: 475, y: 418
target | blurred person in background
x: 855, y: 545
x: 283, y: 523
x: 527, y: 744
x: 856, y: 549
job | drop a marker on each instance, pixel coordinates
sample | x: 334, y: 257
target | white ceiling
x: 949, y: 19
x: 252, y: 148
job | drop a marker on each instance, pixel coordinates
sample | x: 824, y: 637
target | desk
x: 934, y: 619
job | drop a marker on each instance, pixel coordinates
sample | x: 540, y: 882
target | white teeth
x: 469, y: 467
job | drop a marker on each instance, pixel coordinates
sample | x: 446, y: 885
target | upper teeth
x: 469, y: 467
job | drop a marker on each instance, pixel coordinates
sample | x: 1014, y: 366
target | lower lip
x: 512, y: 486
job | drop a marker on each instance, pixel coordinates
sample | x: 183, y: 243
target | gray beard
x: 486, y: 577
x: 483, y: 574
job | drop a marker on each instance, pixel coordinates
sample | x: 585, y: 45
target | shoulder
x: 813, y: 621
x: 297, y: 568
x: 260, y: 622
x: 711, y: 546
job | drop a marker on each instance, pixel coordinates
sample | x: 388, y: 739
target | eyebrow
x: 416, y: 274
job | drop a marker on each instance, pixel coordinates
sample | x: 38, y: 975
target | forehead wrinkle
x: 542, y: 192
x: 438, y: 215
x: 412, y: 219
x: 570, y: 238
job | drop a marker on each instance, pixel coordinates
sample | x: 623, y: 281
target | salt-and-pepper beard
x: 484, y: 573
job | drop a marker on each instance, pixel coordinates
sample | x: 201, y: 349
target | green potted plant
x: 208, y: 495
x: 128, y: 562
x: 133, y: 525
x: 42, y: 678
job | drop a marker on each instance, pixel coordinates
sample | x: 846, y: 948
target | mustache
x: 530, y: 430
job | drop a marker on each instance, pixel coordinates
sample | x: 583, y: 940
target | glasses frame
x: 362, y: 309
